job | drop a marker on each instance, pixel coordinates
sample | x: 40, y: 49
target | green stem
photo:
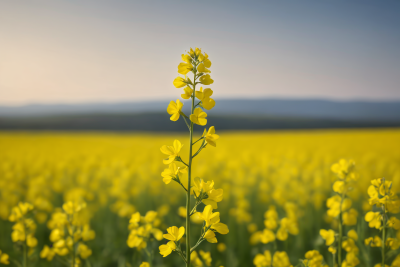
x: 340, y: 231
x: 333, y: 259
x: 383, y: 234
x: 25, y: 263
x: 197, y: 244
x: 198, y: 140
x: 189, y: 178
x: 200, y: 149
x: 186, y: 122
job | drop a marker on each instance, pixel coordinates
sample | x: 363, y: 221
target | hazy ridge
x: 237, y: 114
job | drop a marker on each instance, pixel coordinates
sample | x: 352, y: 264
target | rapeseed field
x: 280, y: 196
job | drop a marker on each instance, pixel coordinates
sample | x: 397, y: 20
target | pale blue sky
x: 89, y: 51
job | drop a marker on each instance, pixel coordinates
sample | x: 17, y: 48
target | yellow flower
x: 267, y: 236
x: 210, y: 136
x: 338, y: 187
x: 349, y: 245
x: 396, y: 262
x: 135, y: 220
x: 280, y: 259
x: 174, y: 234
x: 208, y: 103
x: 205, y: 60
x: 171, y: 151
x: 206, y: 191
x: 350, y: 217
x: 314, y: 259
x: 351, y: 260
x: 72, y: 207
x: 394, y: 223
x: 188, y: 92
x: 18, y: 233
x: 184, y: 68
x: 204, y: 94
x: 199, y: 117
x: 172, y: 172
x: 84, y: 251
x: 328, y: 235
x: 194, y: 258
x: 393, y: 243
x: 343, y: 168
x: 206, y: 256
x: 263, y: 260
x: 186, y: 58
x: 175, y: 109
x: 144, y: 264
x: 373, y: 219
x: 206, y: 79
x: 212, y: 219
x: 376, y: 241
x: 179, y: 82
x: 332, y: 250
x: 201, y: 68
x: 210, y: 237
x: 352, y: 234
x: 47, y: 253
x: 208, y: 216
x: 87, y: 233
x: 221, y: 247
x: 19, y: 211
x: 287, y: 225
x: 167, y: 249
x: 4, y: 258
x: 31, y: 241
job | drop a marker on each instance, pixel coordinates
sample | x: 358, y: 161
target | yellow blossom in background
x: 328, y: 235
x: 4, y: 258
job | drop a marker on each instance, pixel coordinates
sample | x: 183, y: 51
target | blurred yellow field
x: 117, y: 175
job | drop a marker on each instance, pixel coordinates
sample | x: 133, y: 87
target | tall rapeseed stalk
x: 203, y: 192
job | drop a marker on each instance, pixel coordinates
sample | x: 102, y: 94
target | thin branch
x: 201, y: 148
x: 186, y: 122
x: 198, y: 140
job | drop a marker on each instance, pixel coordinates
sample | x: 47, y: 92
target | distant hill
x: 313, y: 108
x: 227, y: 115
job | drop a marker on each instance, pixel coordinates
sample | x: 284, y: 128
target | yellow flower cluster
x: 381, y: 195
x: 287, y: 225
x: 279, y: 259
x: 69, y: 231
x: 142, y: 228
x: 23, y: 230
x: 314, y: 259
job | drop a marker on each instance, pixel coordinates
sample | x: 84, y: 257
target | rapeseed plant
x: 69, y: 231
x: 203, y: 192
x: 385, y: 200
x: 23, y: 233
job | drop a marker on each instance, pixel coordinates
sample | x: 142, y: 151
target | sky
x: 112, y: 51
